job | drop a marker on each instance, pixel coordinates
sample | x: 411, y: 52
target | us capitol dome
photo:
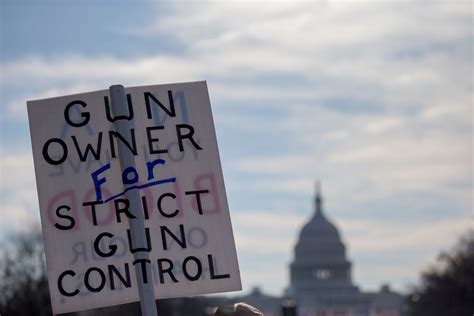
x: 320, y: 272
x: 321, y: 279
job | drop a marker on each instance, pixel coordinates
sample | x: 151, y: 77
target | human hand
x: 239, y: 309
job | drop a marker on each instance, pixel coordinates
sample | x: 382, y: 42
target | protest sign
x: 83, y: 189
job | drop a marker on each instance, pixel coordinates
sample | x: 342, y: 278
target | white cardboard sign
x: 85, y: 213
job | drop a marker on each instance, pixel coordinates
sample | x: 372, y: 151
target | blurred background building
x: 321, y: 278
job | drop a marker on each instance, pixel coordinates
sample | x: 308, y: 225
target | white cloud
x: 345, y: 51
x: 17, y: 170
x: 386, y: 153
x: 16, y: 108
x: 20, y: 210
x: 378, y: 236
x: 266, y: 231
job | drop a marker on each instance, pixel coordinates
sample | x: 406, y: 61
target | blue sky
x: 372, y: 98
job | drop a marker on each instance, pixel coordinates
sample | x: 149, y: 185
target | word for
x: 129, y: 177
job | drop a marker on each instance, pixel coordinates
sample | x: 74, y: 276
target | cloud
x: 376, y: 236
x: 16, y: 108
x: 385, y: 153
x: 393, y: 55
x: 20, y: 210
x: 268, y: 231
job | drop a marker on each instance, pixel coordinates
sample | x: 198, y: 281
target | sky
x: 372, y: 98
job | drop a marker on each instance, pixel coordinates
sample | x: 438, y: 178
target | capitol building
x: 321, y: 279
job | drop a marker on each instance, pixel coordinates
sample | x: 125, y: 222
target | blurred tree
x: 23, y: 286
x: 447, y: 288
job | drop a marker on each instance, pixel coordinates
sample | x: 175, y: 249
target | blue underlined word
x: 130, y: 178
x: 139, y: 187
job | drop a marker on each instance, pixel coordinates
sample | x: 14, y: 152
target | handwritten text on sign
x: 85, y: 211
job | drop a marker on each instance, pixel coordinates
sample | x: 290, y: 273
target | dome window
x: 321, y: 274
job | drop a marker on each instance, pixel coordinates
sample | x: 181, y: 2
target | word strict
x: 122, y: 206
